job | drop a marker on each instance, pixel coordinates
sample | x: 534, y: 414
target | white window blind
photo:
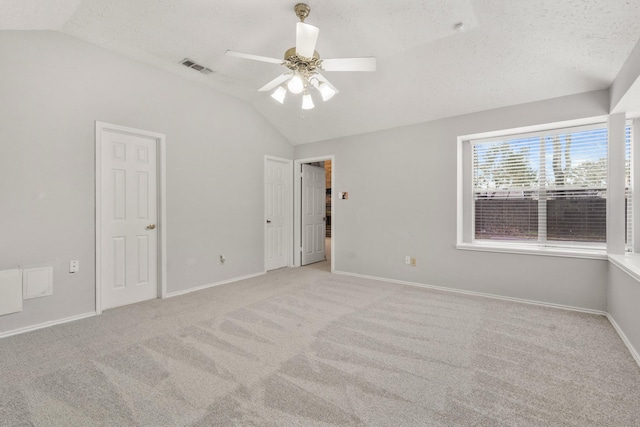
x: 546, y: 188
x: 628, y: 190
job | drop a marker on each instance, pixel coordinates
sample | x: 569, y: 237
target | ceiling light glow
x: 296, y: 85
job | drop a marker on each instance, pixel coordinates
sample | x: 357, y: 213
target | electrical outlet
x: 407, y: 260
x: 413, y: 262
x: 222, y: 259
x: 74, y: 266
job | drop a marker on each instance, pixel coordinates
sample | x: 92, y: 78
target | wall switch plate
x: 222, y: 259
x: 413, y: 262
x: 74, y: 266
x: 407, y: 260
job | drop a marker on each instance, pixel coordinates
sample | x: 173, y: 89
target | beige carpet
x: 304, y: 347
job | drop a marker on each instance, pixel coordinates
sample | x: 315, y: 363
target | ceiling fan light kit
x: 279, y: 94
x: 307, y: 102
x: 304, y: 65
x: 296, y: 83
x: 326, y: 91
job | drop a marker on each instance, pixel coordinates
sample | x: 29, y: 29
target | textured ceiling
x: 511, y: 51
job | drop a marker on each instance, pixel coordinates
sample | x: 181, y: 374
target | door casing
x: 297, y: 202
x: 161, y: 200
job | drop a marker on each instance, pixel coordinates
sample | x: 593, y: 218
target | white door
x: 129, y: 214
x: 277, y: 179
x: 313, y: 213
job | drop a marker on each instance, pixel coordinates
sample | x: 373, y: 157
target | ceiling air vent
x: 192, y: 64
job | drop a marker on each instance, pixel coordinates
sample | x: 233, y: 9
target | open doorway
x: 314, y: 228
x: 328, y: 205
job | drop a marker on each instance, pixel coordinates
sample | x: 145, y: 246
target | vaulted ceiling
x: 509, y: 51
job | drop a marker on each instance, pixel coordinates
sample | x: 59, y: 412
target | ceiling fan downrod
x: 302, y: 11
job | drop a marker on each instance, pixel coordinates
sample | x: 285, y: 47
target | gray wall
x: 626, y: 84
x: 402, y: 201
x: 623, y: 304
x: 52, y: 89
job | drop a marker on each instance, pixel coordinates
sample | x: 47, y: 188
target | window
x: 628, y: 156
x: 543, y: 189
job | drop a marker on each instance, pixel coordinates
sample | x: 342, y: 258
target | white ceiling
x: 511, y: 52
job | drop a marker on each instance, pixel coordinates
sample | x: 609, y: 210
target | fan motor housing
x: 290, y: 53
x: 300, y: 64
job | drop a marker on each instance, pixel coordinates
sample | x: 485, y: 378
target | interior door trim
x: 162, y: 207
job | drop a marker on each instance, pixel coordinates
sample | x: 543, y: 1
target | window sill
x: 630, y: 264
x: 544, y: 251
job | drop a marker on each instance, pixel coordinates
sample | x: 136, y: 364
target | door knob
x: 268, y: 221
x: 151, y: 226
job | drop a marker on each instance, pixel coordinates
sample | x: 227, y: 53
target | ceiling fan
x: 304, y: 65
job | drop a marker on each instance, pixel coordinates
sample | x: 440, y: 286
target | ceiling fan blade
x: 323, y: 79
x: 306, y: 38
x: 349, y: 64
x: 275, y: 82
x: 254, y: 57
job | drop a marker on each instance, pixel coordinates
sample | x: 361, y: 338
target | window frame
x: 466, y: 215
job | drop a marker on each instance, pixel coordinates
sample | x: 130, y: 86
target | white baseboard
x: 478, y: 294
x: 211, y: 285
x: 45, y: 324
x: 85, y: 315
x: 625, y: 340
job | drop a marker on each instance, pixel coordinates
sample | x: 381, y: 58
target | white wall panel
x: 623, y: 305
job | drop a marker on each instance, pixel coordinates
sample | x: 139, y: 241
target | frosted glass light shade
x: 296, y: 84
x: 279, y: 94
x: 307, y: 102
x: 326, y: 91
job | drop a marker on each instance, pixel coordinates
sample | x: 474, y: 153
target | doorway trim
x: 288, y: 197
x: 162, y: 207
x: 297, y: 201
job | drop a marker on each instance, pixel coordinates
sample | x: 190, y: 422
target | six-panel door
x: 277, y: 176
x: 129, y: 219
